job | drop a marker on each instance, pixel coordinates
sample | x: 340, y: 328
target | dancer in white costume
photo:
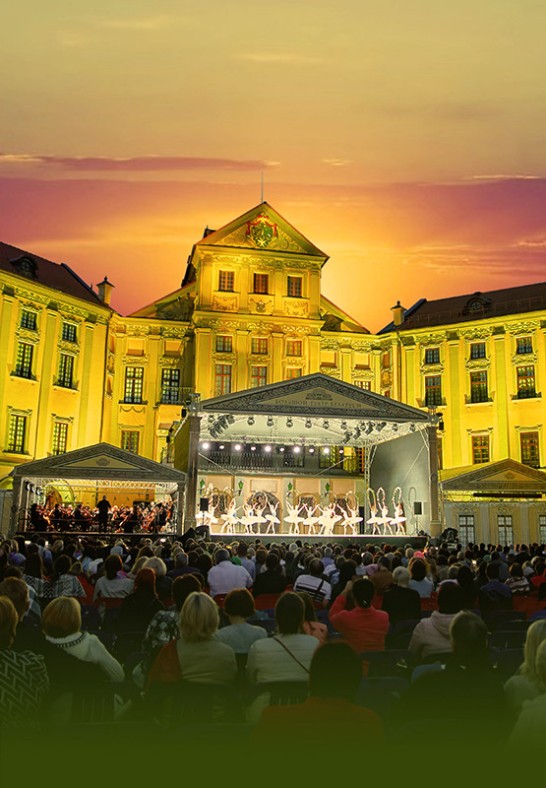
x: 350, y: 520
x: 328, y: 519
x: 399, y: 518
x: 293, y: 518
x: 374, y: 519
x: 272, y: 519
x: 311, y: 518
x: 230, y: 518
x: 384, y: 520
x: 259, y: 517
x: 249, y: 518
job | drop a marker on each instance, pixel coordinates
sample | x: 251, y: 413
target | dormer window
x: 25, y: 266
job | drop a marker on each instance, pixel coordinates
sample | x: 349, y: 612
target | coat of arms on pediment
x: 261, y: 230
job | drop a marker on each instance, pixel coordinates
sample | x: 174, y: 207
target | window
x: 293, y: 372
x: 70, y: 332
x: 432, y: 355
x: 433, y: 390
x: 478, y: 386
x: 526, y: 382
x: 134, y: 381
x: 529, y: 449
x: 524, y: 345
x: 66, y: 371
x: 506, y: 531
x: 17, y: 433
x: 261, y: 283
x: 259, y: 346
x: 467, y: 532
x: 222, y: 379
x: 23, y: 362
x: 130, y: 440
x: 28, y: 319
x: 477, y: 350
x: 226, y: 281
x: 170, y: 386
x: 542, y: 528
x: 293, y: 347
x: 480, y: 449
x: 224, y: 344
x: 59, y: 438
x: 258, y: 376
x: 363, y: 384
x: 294, y: 286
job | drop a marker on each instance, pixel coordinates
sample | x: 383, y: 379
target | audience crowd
x: 368, y: 643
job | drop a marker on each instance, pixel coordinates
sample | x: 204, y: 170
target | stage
x: 361, y: 540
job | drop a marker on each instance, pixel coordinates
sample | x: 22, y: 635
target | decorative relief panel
x: 431, y: 339
x: 475, y: 333
x: 261, y: 306
x: 296, y: 307
x: 523, y: 327
x: 225, y: 303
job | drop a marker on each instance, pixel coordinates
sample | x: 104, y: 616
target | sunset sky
x: 406, y: 139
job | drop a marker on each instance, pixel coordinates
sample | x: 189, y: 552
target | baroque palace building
x: 250, y: 312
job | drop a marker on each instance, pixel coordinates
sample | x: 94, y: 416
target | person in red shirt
x: 353, y: 615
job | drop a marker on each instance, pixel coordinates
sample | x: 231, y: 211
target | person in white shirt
x: 225, y: 576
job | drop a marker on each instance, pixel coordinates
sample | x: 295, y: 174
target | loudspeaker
x: 417, y: 507
x: 202, y: 531
x: 203, y: 504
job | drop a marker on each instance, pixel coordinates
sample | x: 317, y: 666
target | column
x: 435, y: 524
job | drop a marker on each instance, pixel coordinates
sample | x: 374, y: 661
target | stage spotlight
x: 326, y: 424
x: 267, y: 448
x: 230, y: 419
x: 369, y: 428
x: 211, y: 419
x: 281, y: 448
x: 326, y: 450
x: 394, y: 427
x: 221, y: 447
x: 308, y: 423
x: 253, y: 448
x: 270, y: 421
x: 223, y: 422
x: 296, y: 449
x: 342, y: 451
x: 356, y: 433
x: 347, y: 437
x: 311, y: 449
x: 289, y: 422
x: 412, y: 427
x: 237, y: 447
x: 250, y: 421
x: 343, y: 425
x: 205, y: 445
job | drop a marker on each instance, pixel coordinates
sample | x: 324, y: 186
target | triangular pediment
x: 102, y: 460
x: 314, y: 395
x: 504, y: 476
x: 262, y: 228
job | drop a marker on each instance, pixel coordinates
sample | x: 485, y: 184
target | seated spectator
x: 431, y: 635
x: 164, y: 625
x: 494, y: 595
x: 225, y: 576
x: 363, y: 627
x: 61, y: 623
x: 272, y: 580
x: 23, y: 676
x: 61, y: 583
x: 310, y: 624
x: 528, y: 733
x: 239, y: 634
x: 242, y: 554
x: 347, y: 572
x: 314, y: 584
x: 113, y: 584
x: 466, y: 689
x: 28, y: 636
x: 141, y: 605
x: 181, y: 565
x: 540, y: 574
x: 163, y: 584
x: 419, y: 580
x: 334, y: 676
x: 465, y: 579
x: 516, y: 582
x: 197, y: 655
x: 287, y: 656
x: 382, y: 577
x: 400, y: 602
x: 526, y: 684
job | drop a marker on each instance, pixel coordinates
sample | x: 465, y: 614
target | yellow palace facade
x: 250, y: 312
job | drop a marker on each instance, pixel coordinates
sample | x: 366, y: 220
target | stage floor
x: 417, y: 542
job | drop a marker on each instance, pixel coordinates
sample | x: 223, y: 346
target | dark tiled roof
x: 473, y: 306
x: 40, y: 271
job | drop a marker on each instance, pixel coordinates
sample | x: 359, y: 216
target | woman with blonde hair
x: 61, y: 623
x: 197, y: 655
x: 526, y: 684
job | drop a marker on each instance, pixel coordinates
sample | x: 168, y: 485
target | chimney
x: 105, y: 291
x: 397, y: 314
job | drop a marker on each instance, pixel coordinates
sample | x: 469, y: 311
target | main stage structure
x: 308, y: 456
